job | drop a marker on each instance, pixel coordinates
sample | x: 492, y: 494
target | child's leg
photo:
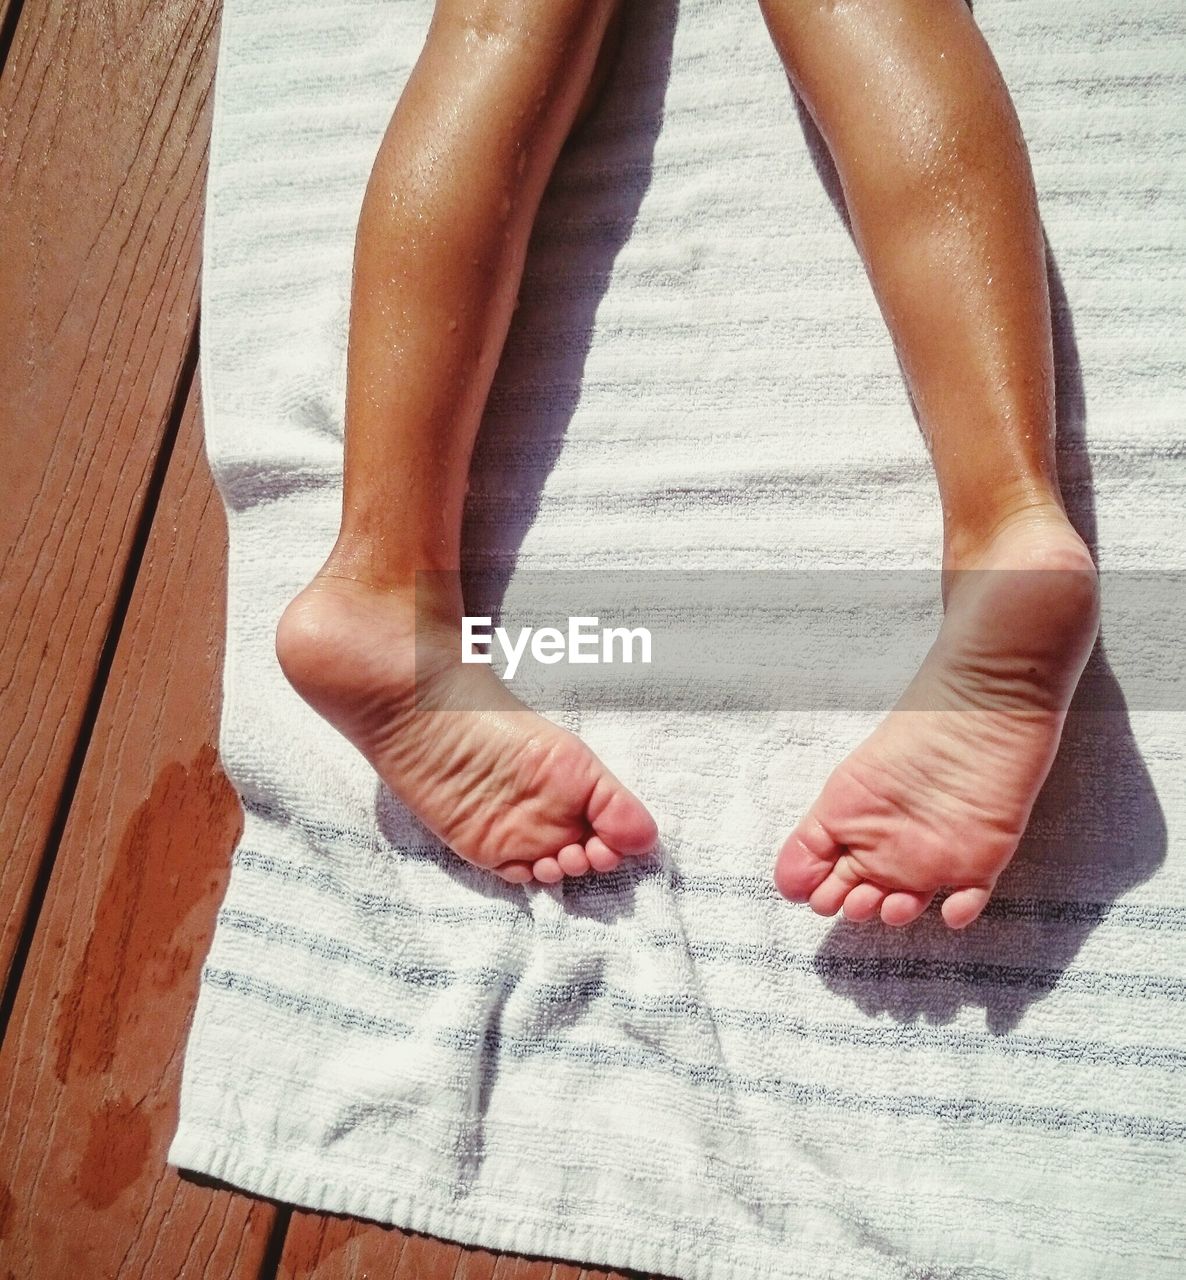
x: 439, y: 255
x: 941, y: 198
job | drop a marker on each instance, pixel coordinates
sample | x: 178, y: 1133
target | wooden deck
x: 116, y: 820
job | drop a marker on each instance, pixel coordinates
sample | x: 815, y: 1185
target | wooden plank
x: 104, y: 117
x: 90, y: 1068
x: 328, y: 1247
x: 324, y: 1247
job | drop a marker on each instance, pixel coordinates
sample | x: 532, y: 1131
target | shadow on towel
x: 538, y: 384
x: 1097, y: 827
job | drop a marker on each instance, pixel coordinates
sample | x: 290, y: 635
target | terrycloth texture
x: 672, y: 1069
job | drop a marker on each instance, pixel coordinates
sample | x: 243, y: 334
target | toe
x: 572, y: 860
x: 902, y: 906
x: 964, y: 905
x: 863, y: 902
x: 547, y: 870
x: 805, y: 861
x: 601, y: 856
x: 620, y: 819
x: 515, y: 872
x: 827, y: 898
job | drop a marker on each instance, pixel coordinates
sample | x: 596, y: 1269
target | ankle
x: 1039, y: 557
x: 432, y: 595
x: 967, y: 542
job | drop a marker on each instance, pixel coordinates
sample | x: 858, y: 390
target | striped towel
x: 670, y: 1068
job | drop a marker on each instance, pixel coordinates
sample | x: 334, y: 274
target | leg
x: 941, y: 199
x: 439, y: 255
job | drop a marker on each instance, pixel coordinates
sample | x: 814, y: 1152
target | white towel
x: 670, y: 1068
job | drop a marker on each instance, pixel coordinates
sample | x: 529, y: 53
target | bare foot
x: 940, y: 793
x: 501, y: 786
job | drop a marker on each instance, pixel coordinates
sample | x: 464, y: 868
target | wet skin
x: 941, y: 200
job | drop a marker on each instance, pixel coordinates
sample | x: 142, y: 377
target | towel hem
x: 267, y: 1174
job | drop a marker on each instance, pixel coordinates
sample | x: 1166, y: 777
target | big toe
x: 620, y: 819
x: 805, y: 861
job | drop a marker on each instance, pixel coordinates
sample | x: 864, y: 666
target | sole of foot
x: 504, y: 788
x: 938, y: 797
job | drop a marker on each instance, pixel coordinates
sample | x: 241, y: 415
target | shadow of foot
x: 584, y: 221
x: 1097, y: 830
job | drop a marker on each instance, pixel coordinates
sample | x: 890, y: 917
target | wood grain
x: 325, y: 1247
x: 90, y: 1069
x: 104, y: 117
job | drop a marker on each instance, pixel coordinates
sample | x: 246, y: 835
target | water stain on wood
x: 173, y: 857
x: 117, y: 1150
